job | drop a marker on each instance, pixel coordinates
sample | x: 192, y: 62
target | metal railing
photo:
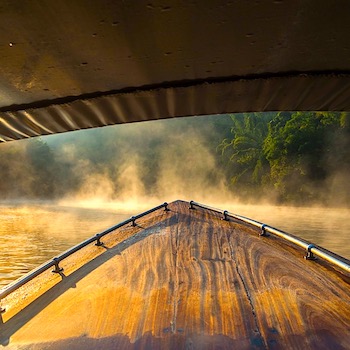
x: 312, y: 250
x: 55, y: 261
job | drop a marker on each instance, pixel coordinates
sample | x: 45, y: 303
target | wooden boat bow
x: 182, y: 279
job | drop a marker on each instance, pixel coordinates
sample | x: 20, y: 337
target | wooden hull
x: 182, y: 279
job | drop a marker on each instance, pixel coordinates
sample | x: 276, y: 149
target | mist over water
x: 157, y: 161
x: 144, y: 164
x: 94, y: 179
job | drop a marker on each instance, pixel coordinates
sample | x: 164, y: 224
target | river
x: 34, y: 233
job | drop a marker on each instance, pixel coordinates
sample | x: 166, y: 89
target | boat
x: 183, y: 275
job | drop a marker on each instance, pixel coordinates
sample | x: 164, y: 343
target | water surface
x: 31, y: 235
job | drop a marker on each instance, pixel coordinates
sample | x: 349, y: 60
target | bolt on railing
x: 311, y: 250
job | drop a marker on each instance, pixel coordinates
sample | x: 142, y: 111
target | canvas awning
x: 70, y: 65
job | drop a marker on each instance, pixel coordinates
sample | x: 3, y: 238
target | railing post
x: 166, y: 206
x: 133, y: 221
x: 225, y: 213
x: 191, y: 205
x: 309, y: 255
x: 57, y: 268
x: 263, y: 231
x: 98, y: 241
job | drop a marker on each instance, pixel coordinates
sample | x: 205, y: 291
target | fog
x: 136, y: 166
x: 146, y: 164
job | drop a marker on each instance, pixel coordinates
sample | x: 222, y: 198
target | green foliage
x: 293, y: 156
x: 296, y: 148
x: 244, y: 152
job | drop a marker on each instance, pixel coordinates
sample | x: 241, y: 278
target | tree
x: 296, y: 148
x: 246, y: 161
x: 14, y: 171
x: 43, y: 168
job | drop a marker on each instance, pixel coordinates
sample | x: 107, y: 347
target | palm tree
x: 244, y: 152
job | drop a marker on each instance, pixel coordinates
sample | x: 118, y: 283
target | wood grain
x: 185, y: 279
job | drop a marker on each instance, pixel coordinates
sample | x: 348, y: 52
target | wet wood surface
x: 183, y: 279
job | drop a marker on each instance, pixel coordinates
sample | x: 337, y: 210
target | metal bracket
x: 2, y: 310
x: 133, y: 221
x: 57, y: 268
x: 98, y: 241
x: 309, y: 255
x: 263, y: 232
x: 191, y: 205
x: 225, y: 213
x: 166, y: 207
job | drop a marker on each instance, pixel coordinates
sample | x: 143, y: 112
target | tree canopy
x: 293, y: 157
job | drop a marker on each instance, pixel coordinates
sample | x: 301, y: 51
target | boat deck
x: 182, y: 279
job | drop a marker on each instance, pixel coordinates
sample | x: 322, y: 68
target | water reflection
x: 31, y: 235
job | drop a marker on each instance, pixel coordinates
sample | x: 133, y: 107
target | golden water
x: 33, y: 234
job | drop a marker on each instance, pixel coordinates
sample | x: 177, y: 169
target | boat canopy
x: 70, y: 65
